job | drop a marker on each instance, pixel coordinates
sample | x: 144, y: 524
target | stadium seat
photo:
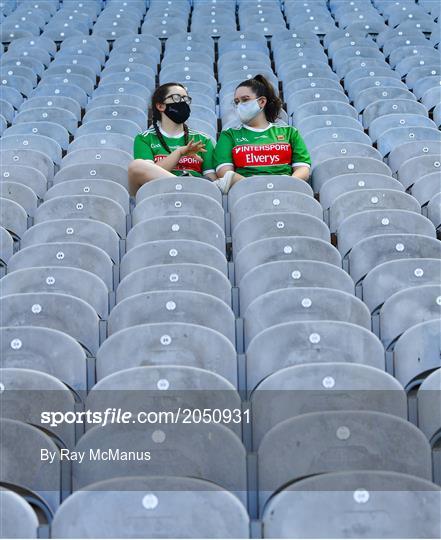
x: 335, y: 386
x: 287, y: 274
x: 31, y: 347
x: 410, y: 150
x: 21, y: 194
x: 13, y: 217
x: 171, y: 307
x: 434, y: 210
x: 53, y: 310
x: 210, y: 452
x: 303, y: 304
x: 428, y: 396
x: 390, y: 277
x: 426, y: 187
x: 73, y: 281
x: 339, y: 504
x: 374, y: 250
x: 287, y: 248
x: 18, y: 519
x: 6, y: 246
x: 406, y: 308
x: 361, y: 225
x: 414, y: 168
x: 416, y: 353
x: 170, y: 277
x: 140, y: 501
x: 22, y: 468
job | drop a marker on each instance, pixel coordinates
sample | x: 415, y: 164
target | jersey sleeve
x: 223, y: 154
x: 142, y: 149
x: 208, y: 156
x: 300, y: 154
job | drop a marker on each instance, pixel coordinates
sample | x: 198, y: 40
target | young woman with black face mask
x: 258, y: 145
x: 169, y: 147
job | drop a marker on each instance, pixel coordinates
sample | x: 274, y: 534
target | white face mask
x: 248, y: 110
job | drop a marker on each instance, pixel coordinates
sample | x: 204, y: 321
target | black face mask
x: 177, y: 112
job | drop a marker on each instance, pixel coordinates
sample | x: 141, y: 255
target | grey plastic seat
x: 277, y: 201
x: 361, y: 225
x: 179, y: 204
x: 18, y: 518
x: 182, y: 497
x: 13, y: 217
x: 304, y: 445
x: 426, y: 187
x: 302, y: 304
x: 121, y: 111
x: 25, y: 162
x: 291, y: 248
x: 412, y: 149
x: 162, y: 252
x: 310, y: 388
x: 413, y: 169
x: 31, y: 347
x: 54, y: 115
x: 181, y: 387
x: 73, y: 91
x: 345, y: 502
x: 129, y: 88
x: 345, y: 165
x: 417, y: 353
x: 51, y: 310
x: 257, y: 184
x: 22, y: 467
x: 105, y: 140
x: 395, y: 137
x: 211, y: 452
x: 70, y: 254
x: 6, y: 246
x: 291, y: 274
x: 37, y: 392
x: 310, y: 342
x: 329, y: 150
x: 183, y: 185
x: 116, y: 100
x: 353, y: 202
x: 339, y: 185
x: 100, y: 188
x: 390, y: 277
x: 400, y: 103
x: 325, y: 108
x: 437, y: 115
x: 93, y: 171
x: 21, y: 194
x: 357, y: 88
x: 322, y: 136
x: 170, y: 277
x: 177, y: 228
x: 277, y: 225
x: 173, y: 306
x: 73, y: 281
x: 434, y: 210
x: 41, y: 143
x: 379, y: 126
x: 374, y: 250
x: 46, y: 129
x: 67, y: 69
x: 118, y: 126
x: 406, y: 308
x: 314, y: 122
x: 97, y: 156
x: 168, y: 344
x: 429, y: 406
x: 85, y: 231
x: 84, y: 207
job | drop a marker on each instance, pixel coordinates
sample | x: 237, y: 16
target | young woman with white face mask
x: 258, y: 146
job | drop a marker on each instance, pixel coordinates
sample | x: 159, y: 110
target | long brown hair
x: 263, y: 88
x: 158, y: 97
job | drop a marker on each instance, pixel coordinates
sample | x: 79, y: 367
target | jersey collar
x: 258, y: 130
x: 177, y: 136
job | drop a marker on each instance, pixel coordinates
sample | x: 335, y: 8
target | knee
x: 137, y: 166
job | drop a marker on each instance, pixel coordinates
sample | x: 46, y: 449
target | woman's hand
x: 192, y: 148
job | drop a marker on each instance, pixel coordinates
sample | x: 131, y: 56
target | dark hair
x: 158, y: 97
x: 263, y: 88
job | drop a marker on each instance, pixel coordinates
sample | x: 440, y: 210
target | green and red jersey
x: 148, y: 146
x: 273, y: 150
